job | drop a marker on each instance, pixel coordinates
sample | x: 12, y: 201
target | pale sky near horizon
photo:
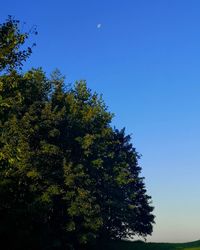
x: 144, y: 57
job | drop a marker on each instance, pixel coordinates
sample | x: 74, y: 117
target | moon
x: 98, y: 25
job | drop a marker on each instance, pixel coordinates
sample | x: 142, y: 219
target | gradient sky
x: 144, y: 58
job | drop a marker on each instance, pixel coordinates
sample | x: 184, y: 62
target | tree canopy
x: 67, y: 177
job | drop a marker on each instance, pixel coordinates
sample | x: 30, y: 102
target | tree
x: 11, y: 41
x: 67, y: 177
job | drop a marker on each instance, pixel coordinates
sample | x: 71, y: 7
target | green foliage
x: 11, y: 40
x: 67, y: 178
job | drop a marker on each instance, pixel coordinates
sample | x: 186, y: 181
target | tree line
x: 68, y: 179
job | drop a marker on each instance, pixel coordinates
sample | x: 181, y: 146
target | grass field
x: 128, y: 245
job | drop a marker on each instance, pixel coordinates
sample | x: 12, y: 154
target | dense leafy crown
x: 67, y: 177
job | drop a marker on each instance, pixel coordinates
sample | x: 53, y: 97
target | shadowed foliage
x: 67, y: 177
x: 128, y: 245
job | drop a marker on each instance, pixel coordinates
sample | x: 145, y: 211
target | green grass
x: 128, y: 245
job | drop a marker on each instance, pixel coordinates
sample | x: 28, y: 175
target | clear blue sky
x: 145, y: 60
